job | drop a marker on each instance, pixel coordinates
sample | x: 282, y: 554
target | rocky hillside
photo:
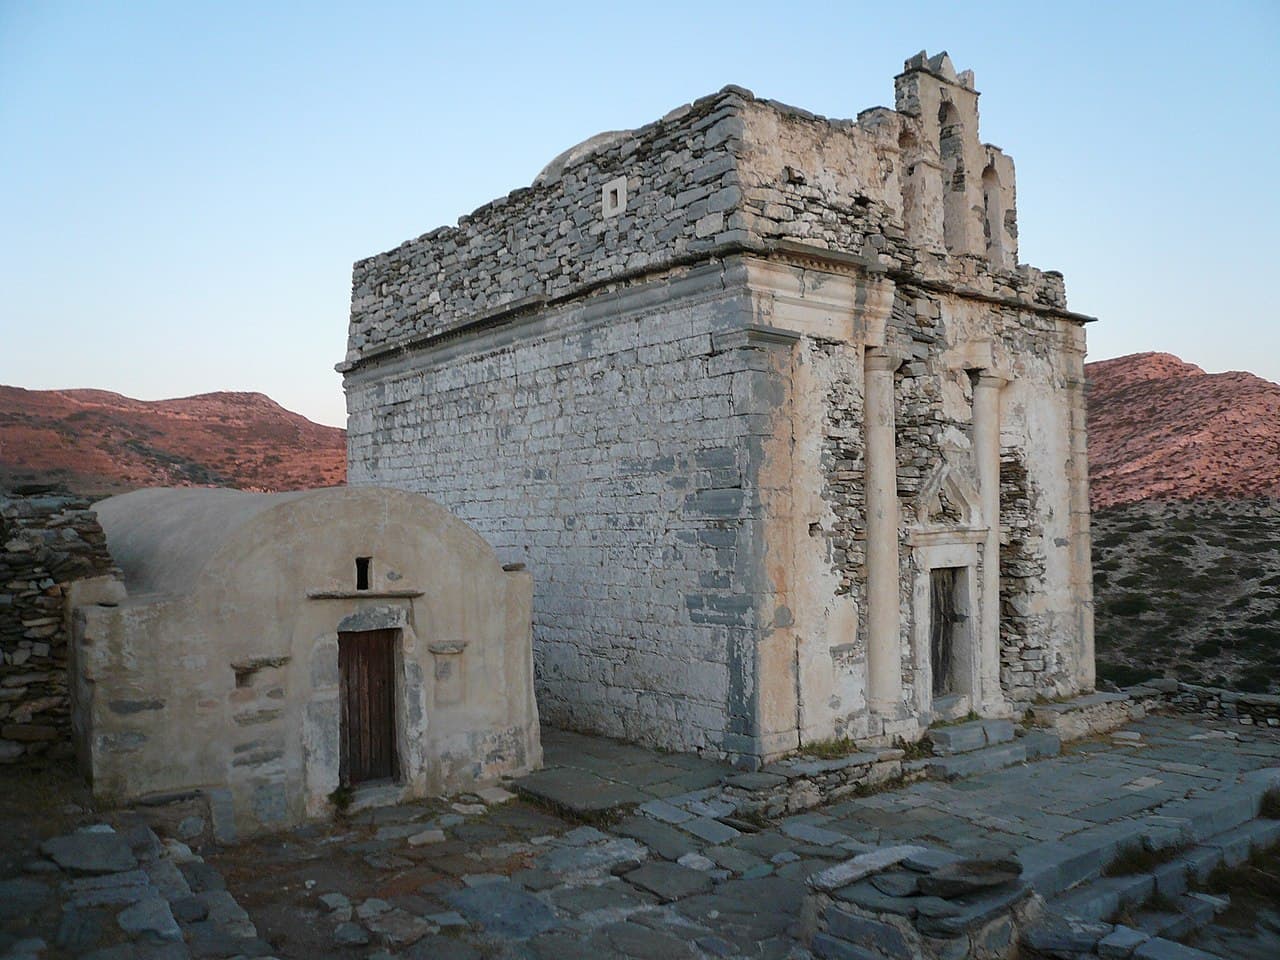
x: 1162, y: 429
x: 1189, y: 589
x: 1185, y: 471
x: 95, y: 442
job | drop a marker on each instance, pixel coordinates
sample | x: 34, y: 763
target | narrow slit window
x: 362, y: 572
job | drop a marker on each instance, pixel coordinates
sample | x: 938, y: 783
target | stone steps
x: 1001, y: 752
x: 1218, y: 826
x: 967, y: 737
x: 1156, y: 907
x: 1057, y: 867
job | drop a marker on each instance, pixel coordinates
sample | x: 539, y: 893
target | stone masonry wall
x: 1023, y: 650
x: 47, y: 540
x: 726, y: 169
x: 545, y: 239
x: 844, y: 465
x: 502, y: 367
x: 606, y: 450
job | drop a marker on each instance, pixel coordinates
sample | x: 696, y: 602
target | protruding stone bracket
x: 754, y: 336
x: 446, y: 647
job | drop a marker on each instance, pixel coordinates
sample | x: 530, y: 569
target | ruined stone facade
x: 48, y: 539
x: 766, y: 402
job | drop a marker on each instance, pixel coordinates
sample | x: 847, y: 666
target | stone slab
x: 865, y: 864
x: 1158, y: 948
x: 828, y: 947
x: 150, y: 916
x: 579, y: 792
x: 504, y: 909
x: 1056, y: 935
x: 959, y: 738
x: 90, y: 851
x: 976, y: 762
x: 665, y: 841
x: 808, y: 833
x: 863, y: 932
x: 595, y: 859
x: 399, y: 927
x: 712, y: 831
x: 1121, y: 942
x: 669, y: 881
x: 664, y: 811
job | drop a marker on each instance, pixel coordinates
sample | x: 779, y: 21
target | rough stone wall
x: 1023, y: 647
x: 552, y: 237
x: 1245, y: 708
x: 924, y: 422
x: 47, y: 540
x: 920, y: 417
x: 608, y: 451
x: 726, y: 169
x: 843, y: 467
x: 839, y: 184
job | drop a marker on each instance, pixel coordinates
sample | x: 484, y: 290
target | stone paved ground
x: 669, y: 879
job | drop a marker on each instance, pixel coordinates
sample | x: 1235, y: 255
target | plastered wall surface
x: 219, y: 670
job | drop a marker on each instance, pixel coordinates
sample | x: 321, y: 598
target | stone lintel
x: 363, y: 594
x: 945, y: 535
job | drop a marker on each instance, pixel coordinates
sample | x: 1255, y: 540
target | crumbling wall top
x: 912, y: 187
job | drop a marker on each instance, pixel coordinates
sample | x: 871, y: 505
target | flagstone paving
x: 664, y: 870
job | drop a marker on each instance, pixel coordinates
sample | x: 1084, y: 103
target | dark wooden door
x: 366, y: 662
x: 943, y: 618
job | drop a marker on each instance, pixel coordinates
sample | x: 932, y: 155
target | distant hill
x: 1162, y: 429
x: 96, y: 442
x: 1184, y: 470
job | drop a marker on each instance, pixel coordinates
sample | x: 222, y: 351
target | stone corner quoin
x: 793, y: 446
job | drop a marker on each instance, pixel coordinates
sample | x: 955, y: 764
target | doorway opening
x: 945, y: 620
x: 366, y: 667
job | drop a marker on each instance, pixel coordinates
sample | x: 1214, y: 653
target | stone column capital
x: 879, y: 359
x: 989, y: 378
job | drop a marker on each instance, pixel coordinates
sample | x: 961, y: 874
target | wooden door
x: 366, y: 664
x: 943, y: 619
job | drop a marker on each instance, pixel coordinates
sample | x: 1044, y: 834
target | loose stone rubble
x: 124, y: 894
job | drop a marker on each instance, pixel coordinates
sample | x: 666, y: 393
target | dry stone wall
x: 47, y: 540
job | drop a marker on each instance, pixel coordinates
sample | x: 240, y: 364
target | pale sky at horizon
x: 184, y: 186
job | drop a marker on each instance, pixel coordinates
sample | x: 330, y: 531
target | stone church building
x: 791, y: 443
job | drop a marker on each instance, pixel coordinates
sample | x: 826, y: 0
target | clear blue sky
x: 184, y: 185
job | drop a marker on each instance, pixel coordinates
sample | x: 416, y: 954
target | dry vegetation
x: 1189, y: 590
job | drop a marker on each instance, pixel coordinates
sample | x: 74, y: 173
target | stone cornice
x: 790, y: 251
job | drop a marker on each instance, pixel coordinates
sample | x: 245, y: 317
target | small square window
x: 613, y: 197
